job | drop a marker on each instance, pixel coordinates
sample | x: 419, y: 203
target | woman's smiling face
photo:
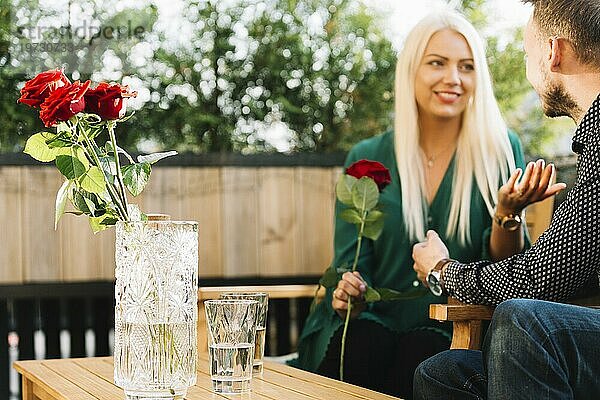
x: 445, y: 78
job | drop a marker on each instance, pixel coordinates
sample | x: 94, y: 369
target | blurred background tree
x: 241, y: 76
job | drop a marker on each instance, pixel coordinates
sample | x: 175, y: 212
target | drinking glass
x: 231, y: 326
x: 261, y: 324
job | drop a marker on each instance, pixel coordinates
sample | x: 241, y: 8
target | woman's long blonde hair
x: 483, y: 149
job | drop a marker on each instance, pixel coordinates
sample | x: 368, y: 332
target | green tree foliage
x: 320, y: 70
x: 329, y: 83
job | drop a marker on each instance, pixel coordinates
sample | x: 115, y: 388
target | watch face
x: 434, y: 283
x: 511, y: 224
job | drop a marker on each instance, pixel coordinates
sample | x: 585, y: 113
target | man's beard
x: 556, y: 102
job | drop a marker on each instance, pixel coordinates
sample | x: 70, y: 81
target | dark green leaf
x: 394, y: 295
x: 135, y: 177
x: 58, y: 141
x: 343, y: 189
x: 371, y: 295
x: 350, y: 215
x: 329, y: 279
x: 70, y: 166
x: 345, y: 267
x: 365, y: 194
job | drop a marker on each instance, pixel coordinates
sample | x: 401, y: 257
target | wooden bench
x: 467, y: 318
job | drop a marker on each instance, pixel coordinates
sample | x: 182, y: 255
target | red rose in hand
x: 63, y: 103
x: 107, y: 101
x: 373, y: 169
x: 39, y: 88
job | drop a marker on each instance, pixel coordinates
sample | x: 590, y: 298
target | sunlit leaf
x: 152, y: 158
x: 93, y: 181
x: 136, y: 176
x: 37, y: 147
x: 61, y: 200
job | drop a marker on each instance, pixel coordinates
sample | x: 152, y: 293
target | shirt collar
x: 587, y: 129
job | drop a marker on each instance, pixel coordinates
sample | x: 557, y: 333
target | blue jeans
x: 533, y: 350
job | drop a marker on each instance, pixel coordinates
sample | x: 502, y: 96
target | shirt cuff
x: 451, y: 276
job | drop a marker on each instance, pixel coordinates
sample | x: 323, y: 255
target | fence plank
x: 278, y: 225
x: 163, y: 193
x: 315, y: 210
x: 202, y: 194
x: 239, y: 220
x: 11, y: 258
x: 41, y: 244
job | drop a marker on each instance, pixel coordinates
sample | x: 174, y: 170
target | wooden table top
x: 92, y: 378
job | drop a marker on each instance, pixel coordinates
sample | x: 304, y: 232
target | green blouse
x: 388, y: 262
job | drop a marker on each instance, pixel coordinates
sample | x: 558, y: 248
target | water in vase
x: 155, y: 358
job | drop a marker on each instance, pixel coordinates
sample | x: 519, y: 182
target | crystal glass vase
x: 156, y: 311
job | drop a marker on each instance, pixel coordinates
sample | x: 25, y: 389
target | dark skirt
x: 380, y: 359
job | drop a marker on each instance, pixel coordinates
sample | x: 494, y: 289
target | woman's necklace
x: 431, y: 159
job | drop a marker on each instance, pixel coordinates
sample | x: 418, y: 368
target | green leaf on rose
x: 343, y: 189
x: 93, y: 180
x: 136, y: 176
x: 79, y: 202
x: 70, y: 166
x: 330, y: 278
x: 373, y: 227
x: 371, y: 295
x: 351, y: 215
x: 61, y: 201
x: 59, y: 141
x: 365, y: 194
x: 99, y: 224
x: 37, y: 147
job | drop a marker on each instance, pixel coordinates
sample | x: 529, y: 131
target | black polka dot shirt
x: 565, y: 257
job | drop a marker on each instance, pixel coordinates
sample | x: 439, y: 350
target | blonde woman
x: 449, y: 153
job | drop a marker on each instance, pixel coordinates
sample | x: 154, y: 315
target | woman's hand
x: 534, y: 186
x: 351, y: 285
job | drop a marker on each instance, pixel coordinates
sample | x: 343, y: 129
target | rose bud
x: 373, y: 169
x: 63, y: 103
x: 39, y: 88
x: 107, y: 101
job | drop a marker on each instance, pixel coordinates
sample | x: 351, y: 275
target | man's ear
x: 557, y: 47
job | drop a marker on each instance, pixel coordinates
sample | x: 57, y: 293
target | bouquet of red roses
x: 95, y: 181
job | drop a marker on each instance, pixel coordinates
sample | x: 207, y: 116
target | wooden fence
x: 253, y: 221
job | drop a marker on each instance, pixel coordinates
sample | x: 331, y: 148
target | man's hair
x: 576, y: 20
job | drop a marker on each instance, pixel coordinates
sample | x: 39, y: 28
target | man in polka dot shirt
x: 536, y: 349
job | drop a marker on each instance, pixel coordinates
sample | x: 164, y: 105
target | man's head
x: 562, y: 38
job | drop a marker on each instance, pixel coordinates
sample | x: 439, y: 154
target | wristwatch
x: 435, y: 279
x: 510, y: 222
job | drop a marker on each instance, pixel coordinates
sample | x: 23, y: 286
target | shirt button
x: 415, y: 283
x: 430, y: 219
